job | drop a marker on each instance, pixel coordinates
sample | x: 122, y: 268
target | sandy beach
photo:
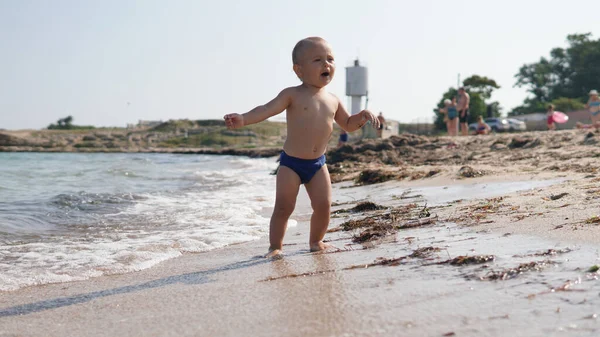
x: 474, y: 236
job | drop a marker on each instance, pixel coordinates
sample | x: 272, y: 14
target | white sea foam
x: 221, y: 202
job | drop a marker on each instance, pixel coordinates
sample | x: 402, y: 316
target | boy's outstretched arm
x: 354, y: 122
x: 261, y: 112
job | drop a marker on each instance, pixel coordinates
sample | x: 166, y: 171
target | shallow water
x: 72, y: 216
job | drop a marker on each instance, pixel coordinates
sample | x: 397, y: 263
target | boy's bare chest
x: 314, y: 107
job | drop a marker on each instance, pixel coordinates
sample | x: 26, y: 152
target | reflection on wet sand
x: 320, y: 300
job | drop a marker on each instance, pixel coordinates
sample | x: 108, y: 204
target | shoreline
x: 520, y: 211
x: 250, y: 152
x: 233, y: 291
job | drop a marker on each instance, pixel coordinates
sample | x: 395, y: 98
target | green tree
x: 569, y: 73
x: 68, y: 121
x: 66, y: 124
x: 481, y: 85
x: 567, y: 104
x: 536, y: 77
x: 530, y: 105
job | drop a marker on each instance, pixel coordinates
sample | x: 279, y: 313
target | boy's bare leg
x: 319, y: 192
x: 288, y: 184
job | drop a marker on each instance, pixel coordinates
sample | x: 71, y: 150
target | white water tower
x: 356, y: 85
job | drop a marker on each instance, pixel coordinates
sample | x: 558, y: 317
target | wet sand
x: 507, y: 253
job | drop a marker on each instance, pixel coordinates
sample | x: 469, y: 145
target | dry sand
x: 528, y: 224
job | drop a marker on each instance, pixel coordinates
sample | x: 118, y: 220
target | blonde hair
x: 301, y: 46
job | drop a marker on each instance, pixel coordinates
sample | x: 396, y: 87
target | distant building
x: 148, y: 124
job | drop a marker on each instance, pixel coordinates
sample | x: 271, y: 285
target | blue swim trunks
x: 304, y: 168
x: 343, y: 137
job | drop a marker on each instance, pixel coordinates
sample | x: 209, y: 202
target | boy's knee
x: 283, y: 209
x: 321, y: 207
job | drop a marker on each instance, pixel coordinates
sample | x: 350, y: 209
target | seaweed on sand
x: 419, y: 253
x: 407, y: 213
x: 403, y: 210
x: 364, y: 206
x: 368, y: 177
x: 469, y: 172
x: 424, y: 252
x: 467, y: 260
x: 464, y: 260
x: 406, y: 195
x: 593, y: 220
x: 367, y: 206
x: 424, y: 213
x: 518, y: 142
x: 476, y: 213
x: 490, y: 206
x: 565, y: 287
x: 418, y: 222
x: 422, y: 174
x: 548, y: 252
x: 511, y: 273
x: 377, y: 231
x: 558, y: 196
x: 359, y: 223
x: 379, y: 262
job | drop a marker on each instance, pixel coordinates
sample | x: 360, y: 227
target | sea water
x: 71, y: 216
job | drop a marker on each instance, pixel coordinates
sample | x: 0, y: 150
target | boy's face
x: 316, y: 65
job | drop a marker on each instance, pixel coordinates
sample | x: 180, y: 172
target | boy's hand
x: 234, y: 121
x: 369, y: 116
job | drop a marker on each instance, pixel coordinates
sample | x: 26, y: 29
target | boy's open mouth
x: 325, y: 73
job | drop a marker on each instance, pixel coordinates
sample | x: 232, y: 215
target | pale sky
x: 113, y: 62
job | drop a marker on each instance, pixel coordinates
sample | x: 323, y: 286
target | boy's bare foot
x: 274, y: 254
x: 320, y: 246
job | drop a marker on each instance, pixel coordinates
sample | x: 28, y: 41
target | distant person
x: 463, y: 110
x: 482, y: 127
x: 593, y: 106
x: 310, y: 112
x: 451, y: 116
x: 382, y: 125
x: 550, y: 117
x: 343, y: 139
